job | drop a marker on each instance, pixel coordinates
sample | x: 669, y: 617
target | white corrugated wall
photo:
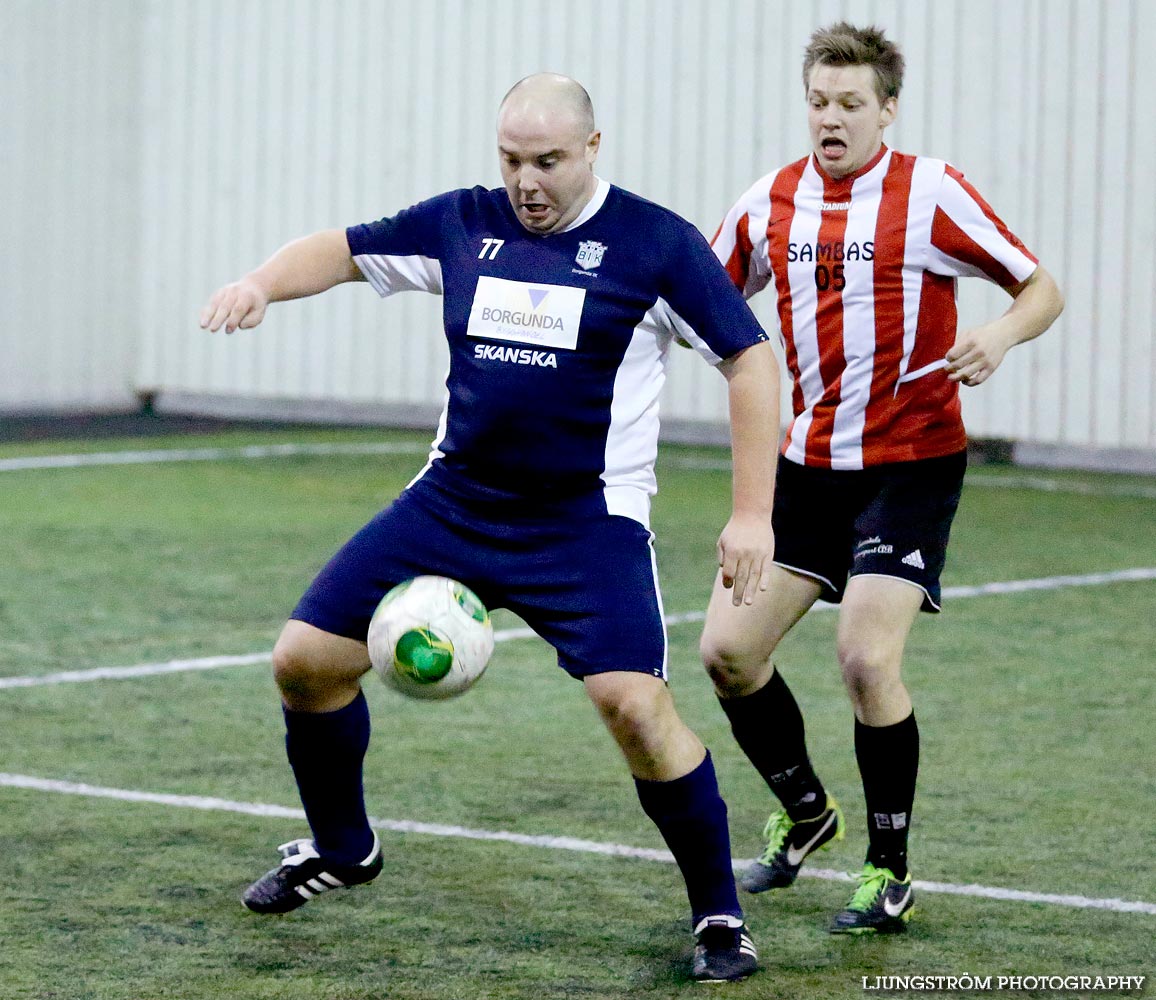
x: 70, y: 150
x: 181, y: 141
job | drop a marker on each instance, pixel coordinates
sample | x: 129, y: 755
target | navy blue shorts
x: 585, y: 582
x: 886, y: 520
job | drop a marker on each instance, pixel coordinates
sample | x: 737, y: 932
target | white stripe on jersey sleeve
x: 403, y: 273
x: 940, y: 263
x: 969, y: 216
x: 755, y: 203
x: 662, y: 317
x: 926, y: 176
x: 758, y: 203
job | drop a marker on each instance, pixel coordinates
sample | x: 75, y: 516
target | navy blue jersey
x: 558, y: 343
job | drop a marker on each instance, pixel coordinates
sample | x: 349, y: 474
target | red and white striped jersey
x: 865, y: 269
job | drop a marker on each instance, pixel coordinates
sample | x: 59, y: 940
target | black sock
x: 769, y: 728
x: 692, y: 818
x: 326, y: 751
x: 888, y: 759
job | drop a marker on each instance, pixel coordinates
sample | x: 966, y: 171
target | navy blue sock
x: 326, y: 751
x: 768, y: 727
x: 692, y: 818
x: 888, y: 759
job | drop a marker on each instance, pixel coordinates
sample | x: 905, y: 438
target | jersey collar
x: 592, y: 206
x: 850, y: 178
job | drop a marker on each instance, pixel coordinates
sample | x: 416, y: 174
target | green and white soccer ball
x: 430, y: 637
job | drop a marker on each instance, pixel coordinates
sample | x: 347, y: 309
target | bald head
x: 553, y: 96
x: 547, y: 145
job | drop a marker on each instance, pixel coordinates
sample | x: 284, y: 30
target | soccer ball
x: 430, y: 637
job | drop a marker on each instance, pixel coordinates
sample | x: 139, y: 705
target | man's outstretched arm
x: 304, y: 267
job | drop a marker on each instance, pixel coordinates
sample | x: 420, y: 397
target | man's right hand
x: 240, y: 305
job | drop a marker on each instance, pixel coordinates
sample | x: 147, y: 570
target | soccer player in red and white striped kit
x: 863, y: 246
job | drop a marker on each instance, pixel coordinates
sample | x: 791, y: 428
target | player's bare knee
x: 315, y: 670
x: 864, y: 671
x: 293, y: 668
x: 734, y: 670
x: 308, y: 671
x: 622, y: 712
x: 633, y: 717
x: 861, y: 691
x: 872, y: 682
x: 640, y: 738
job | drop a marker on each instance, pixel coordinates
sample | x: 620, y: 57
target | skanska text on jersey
x: 835, y: 250
x: 515, y: 355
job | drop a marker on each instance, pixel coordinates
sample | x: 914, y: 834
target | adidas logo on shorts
x: 913, y: 559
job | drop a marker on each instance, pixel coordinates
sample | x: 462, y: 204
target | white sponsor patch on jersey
x: 526, y: 313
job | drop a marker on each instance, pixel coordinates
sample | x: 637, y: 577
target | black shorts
x: 886, y: 520
x: 586, y: 582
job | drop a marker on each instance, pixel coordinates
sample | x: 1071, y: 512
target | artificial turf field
x: 1035, y: 707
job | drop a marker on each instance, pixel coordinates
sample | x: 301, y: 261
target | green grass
x: 1036, y: 771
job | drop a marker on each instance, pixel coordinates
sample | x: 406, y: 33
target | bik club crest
x: 589, y: 254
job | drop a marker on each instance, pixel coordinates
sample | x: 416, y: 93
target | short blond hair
x: 843, y: 44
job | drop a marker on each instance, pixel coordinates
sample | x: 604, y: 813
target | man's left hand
x: 976, y: 354
x: 745, y: 550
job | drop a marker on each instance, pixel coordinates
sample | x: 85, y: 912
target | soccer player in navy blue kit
x: 562, y: 296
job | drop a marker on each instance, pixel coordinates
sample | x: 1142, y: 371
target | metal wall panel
x: 69, y: 122
x: 243, y: 125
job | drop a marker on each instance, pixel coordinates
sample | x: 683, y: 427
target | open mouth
x: 833, y: 148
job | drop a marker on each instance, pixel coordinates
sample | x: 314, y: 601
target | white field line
x: 1045, y: 485
x: 1012, y: 482
x: 181, y: 666
x: 703, y: 462
x: 208, y: 454
x: 1020, y: 481
x: 545, y: 841
x: 140, y: 670
x: 1138, y: 574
